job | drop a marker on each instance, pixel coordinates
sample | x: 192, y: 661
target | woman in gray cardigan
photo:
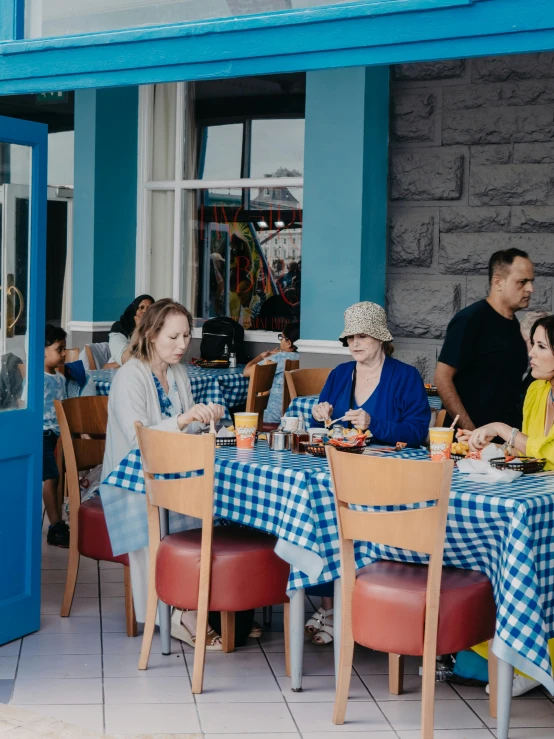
x: 153, y: 388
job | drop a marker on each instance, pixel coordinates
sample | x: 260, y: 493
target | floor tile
x: 451, y: 734
x: 112, y: 589
x: 54, y: 644
x: 120, y: 643
x: 112, y: 575
x: 159, y: 665
x: 360, y: 716
x: 448, y: 715
x: 86, y: 716
x: 378, y: 686
x: 129, y: 690
x: 6, y: 689
x: 274, y: 641
x: 534, y: 713
x: 238, y: 718
x: 343, y: 734
x: 152, y: 719
x: 228, y: 689
x: 8, y: 666
x: 80, y: 607
x: 252, y: 736
x: 51, y: 691
x: 114, y: 624
x: 246, y: 664
x: 53, y: 624
x: 86, y: 575
x: 64, y: 666
x: 315, y: 663
x: 86, y: 590
x: 368, y: 662
x: 109, y: 565
x: 321, y: 689
x: 113, y: 606
x: 522, y: 733
x: 11, y: 649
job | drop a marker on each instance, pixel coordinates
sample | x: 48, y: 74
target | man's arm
x: 444, y: 380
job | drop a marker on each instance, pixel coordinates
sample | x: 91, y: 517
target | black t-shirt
x: 490, y: 357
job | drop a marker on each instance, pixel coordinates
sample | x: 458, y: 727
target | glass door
x: 23, y: 157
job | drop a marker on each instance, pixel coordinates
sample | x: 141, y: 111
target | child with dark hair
x: 286, y: 350
x: 54, y: 389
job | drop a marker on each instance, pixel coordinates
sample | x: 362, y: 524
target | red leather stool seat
x: 94, y: 540
x: 388, y: 608
x: 246, y: 572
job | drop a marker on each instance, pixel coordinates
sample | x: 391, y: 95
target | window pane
x: 250, y: 261
x: 65, y: 17
x: 220, y: 152
x: 14, y: 266
x: 277, y: 148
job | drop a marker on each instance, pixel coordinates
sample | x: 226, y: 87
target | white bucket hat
x: 365, y: 318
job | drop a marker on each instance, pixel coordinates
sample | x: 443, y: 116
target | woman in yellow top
x: 536, y: 439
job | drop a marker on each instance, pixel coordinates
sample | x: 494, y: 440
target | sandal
x: 325, y: 635
x: 180, y: 631
x: 317, y: 621
x: 256, y: 631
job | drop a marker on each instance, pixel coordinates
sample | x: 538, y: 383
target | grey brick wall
x: 471, y: 171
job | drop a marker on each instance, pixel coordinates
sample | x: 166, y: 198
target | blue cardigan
x: 398, y: 406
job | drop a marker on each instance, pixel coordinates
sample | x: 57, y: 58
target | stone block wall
x: 471, y: 172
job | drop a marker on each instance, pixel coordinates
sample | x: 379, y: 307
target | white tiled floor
x: 83, y: 670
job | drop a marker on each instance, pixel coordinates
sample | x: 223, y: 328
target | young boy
x: 286, y: 350
x: 54, y: 389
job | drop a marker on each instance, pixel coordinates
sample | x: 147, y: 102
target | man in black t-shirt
x: 484, y: 357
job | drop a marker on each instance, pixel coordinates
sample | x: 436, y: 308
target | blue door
x: 23, y: 161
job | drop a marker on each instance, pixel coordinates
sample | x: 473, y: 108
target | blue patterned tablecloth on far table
x: 304, y: 405
x: 503, y: 530
x: 228, y: 387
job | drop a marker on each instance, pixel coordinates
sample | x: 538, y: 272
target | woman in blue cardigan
x: 374, y: 392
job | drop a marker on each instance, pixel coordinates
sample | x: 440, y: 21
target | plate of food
x: 226, y: 436
x: 459, y: 450
x: 212, y: 364
x: 527, y: 465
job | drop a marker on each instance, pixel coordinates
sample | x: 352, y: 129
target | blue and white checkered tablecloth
x: 503, y: 530
x: 228, y: 387
x: 304, y: 405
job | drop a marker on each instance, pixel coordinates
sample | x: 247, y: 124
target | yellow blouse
x: 534, y: 415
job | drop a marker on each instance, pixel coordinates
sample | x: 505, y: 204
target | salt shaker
x: 232, y: 360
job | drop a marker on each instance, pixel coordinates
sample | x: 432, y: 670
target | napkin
x: 480, y: 470
x: 224, y: 433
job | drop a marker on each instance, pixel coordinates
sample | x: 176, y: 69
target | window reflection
x: 277, y: 148
x: 220, y: 154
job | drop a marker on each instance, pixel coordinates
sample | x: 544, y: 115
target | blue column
x: 105, y: 205
x: 345, y: 195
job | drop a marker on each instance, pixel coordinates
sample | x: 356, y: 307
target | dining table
x: 503, y: 530
x: 228, y: 387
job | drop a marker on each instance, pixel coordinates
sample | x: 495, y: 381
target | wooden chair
x: 393, y: 606
x: 72, y: 355
x: 79, y: 418
x: 259, y: 389
x: 290, y: 364
x: 90, y: 357
x: 303, y: 382
x: 441, y: 416
x: 225, y: 569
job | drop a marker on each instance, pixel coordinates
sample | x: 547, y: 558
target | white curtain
x: 190, y: 225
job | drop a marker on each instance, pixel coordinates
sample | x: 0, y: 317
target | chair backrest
x: 259, y: 389
x: 170, y: 453
x: 290, y: 364
x: 83, y: 422
x: 71, y: 355
x: 303, y: 382
x: 380, y: 481
x: 90, y: 358
x: 441, y: 416
x: 23, y: 370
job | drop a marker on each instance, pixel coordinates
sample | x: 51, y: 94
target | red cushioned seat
x: 246, y: 572
x: 388, y: 608
x: 94, y: 540
x: 269, y: 426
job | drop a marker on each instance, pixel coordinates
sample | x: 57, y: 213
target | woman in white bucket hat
x: 374, y: 392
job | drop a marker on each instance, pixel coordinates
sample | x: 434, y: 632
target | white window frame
x: 146, y: 185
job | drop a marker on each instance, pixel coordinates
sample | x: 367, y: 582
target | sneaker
x: 58, y: 535
x: 521, y: 685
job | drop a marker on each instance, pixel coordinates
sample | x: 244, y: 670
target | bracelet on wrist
x: 512, y: 439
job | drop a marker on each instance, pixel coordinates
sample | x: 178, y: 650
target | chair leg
x: 200, y: 649
x: 228, y: 630
x: 493, y: 681
x: 344, y: 672
x: 71, y: 578
x: 130, y: 619
x: 149, y: 624
x: 286, y: 625
x: 396, y: 674
x: 268, y: 616
x: 505, y: 685
x: 428, y: 696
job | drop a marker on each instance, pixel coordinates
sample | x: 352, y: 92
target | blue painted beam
x: 260, y: 45
x: 345, y: 195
